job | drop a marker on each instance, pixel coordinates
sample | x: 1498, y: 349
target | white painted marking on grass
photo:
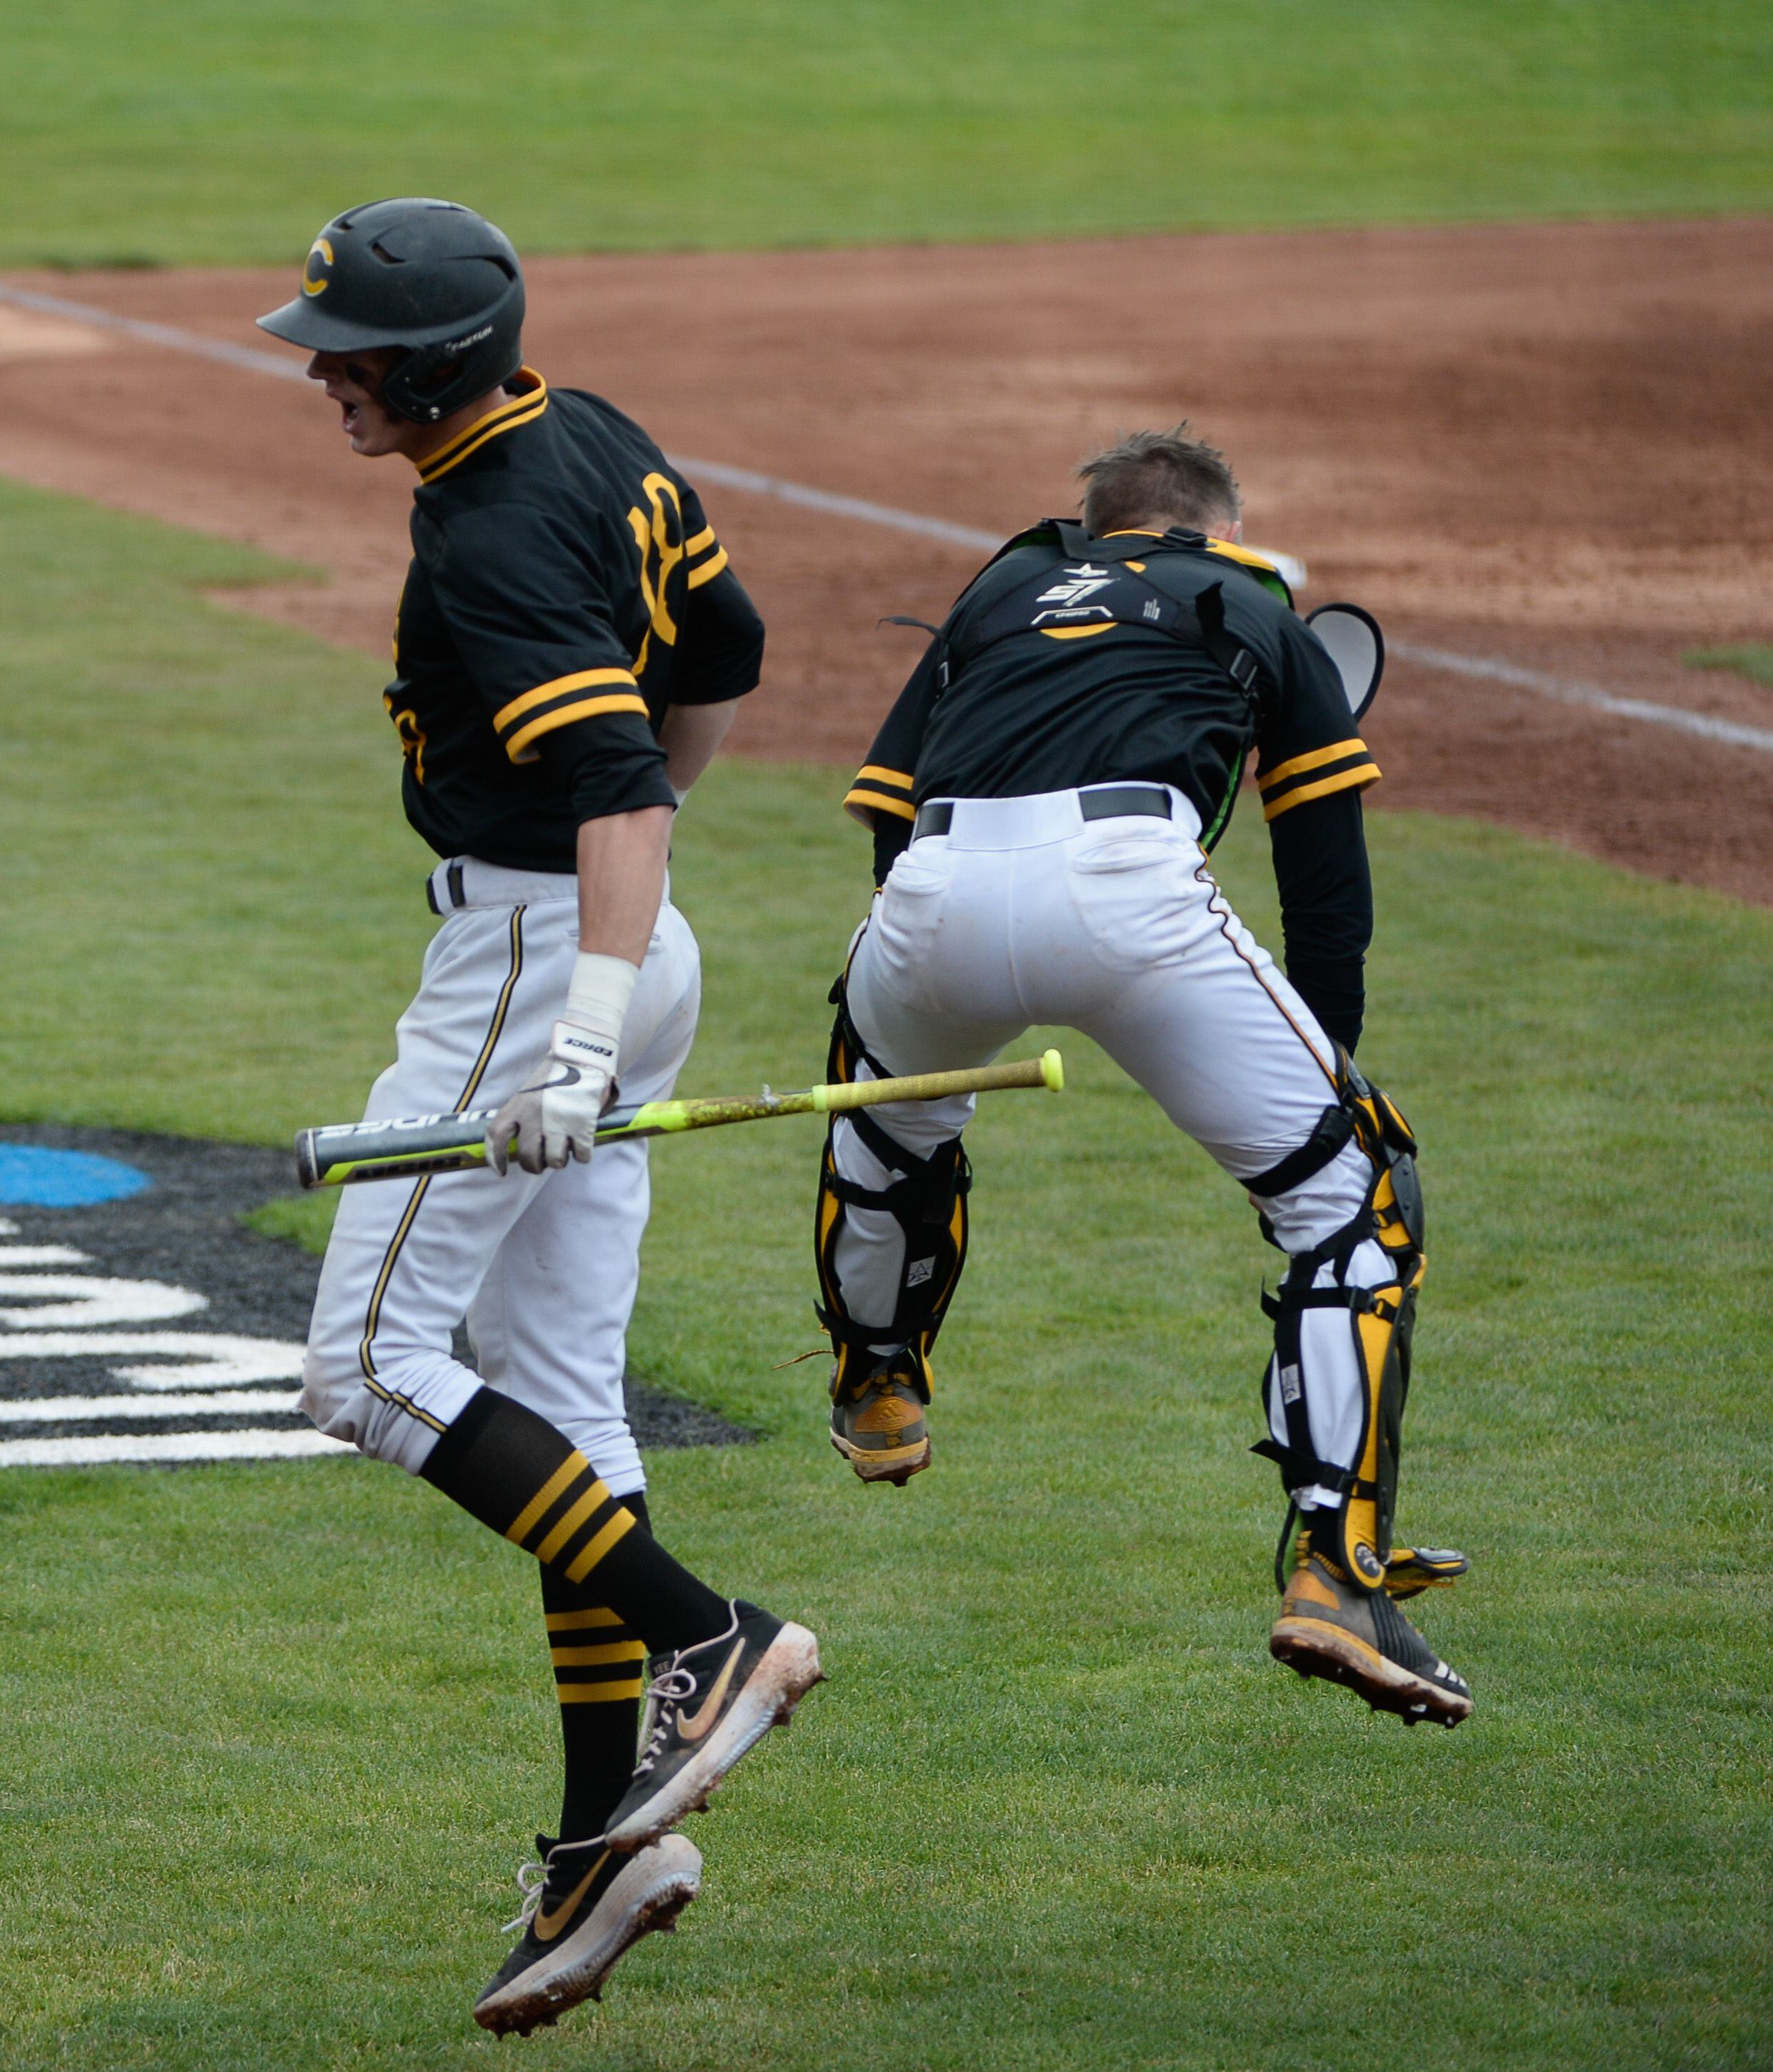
x: 752, y: 483
x: 66, y: 1409
x: 1565, y: 692
x: 65, y: 1319
x: 250, y: 1445
x: 95, y: 1298
x: 217, y: 1358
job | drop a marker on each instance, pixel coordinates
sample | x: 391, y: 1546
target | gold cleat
x: 880, y: 1424
x: 1329, y: 1626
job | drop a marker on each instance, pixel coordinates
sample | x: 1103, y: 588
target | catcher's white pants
x: 1025, y: 912
x: 543, y: 1267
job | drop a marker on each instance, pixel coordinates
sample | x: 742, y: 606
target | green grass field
x: 276, y: 1736
x: 218, y: 131
x: 1751, y: 659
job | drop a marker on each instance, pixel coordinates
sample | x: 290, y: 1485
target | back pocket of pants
x: 1132, y: 893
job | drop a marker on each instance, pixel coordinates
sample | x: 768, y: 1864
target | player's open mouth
x: 353, y: 416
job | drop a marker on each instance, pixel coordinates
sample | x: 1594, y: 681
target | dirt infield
x: 1544, y: 445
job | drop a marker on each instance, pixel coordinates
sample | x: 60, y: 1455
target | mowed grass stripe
x: 278, y: 1735
x: 220, y: 132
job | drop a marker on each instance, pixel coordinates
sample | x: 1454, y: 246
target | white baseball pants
x: 543, y: 1267
x: 1025, y: 912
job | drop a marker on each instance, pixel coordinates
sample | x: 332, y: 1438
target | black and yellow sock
x: 599, y: 1664
x: 514, y: 1472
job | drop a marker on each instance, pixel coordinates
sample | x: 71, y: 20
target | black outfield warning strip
x: 141, y: 1321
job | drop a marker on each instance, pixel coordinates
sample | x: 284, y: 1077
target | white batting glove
x: 556, y: 1118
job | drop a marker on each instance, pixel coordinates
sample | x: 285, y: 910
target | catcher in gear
x: 1044, y: 797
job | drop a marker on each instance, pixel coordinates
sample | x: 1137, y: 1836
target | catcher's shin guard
x: 1353, y: 1527
x: 927, y: 1199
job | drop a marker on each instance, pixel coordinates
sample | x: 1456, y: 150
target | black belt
x: 1106, y: 802
x: 452, y: 884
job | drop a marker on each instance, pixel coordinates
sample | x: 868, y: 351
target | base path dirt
x: 1543, y: 445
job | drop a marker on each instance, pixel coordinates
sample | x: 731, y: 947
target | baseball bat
x: 346, y: 1153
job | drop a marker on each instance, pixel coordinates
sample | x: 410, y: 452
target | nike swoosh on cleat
x: 548, y: 1926
x: 693, y: 1729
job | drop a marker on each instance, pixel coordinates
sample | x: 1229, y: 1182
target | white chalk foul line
x: 838, y: 507
x: 746, y: 480
x: 284, y: 368
x: 1592, y: 695
x: 170, y: 335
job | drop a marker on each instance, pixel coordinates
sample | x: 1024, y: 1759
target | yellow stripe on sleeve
x: 879, y: 802
x: 708, y: 570
x: 581, y: 680
x: 1296, y: 765
x: 620, y: 701
x: 882, y: 775
x: 701, y: 543
x: 1356, y: 778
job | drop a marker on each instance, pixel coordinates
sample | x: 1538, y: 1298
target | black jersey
x: 565, y: 588
x: 1072, y: 660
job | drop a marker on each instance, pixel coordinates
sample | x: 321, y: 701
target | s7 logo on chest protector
x: 1064, y: 598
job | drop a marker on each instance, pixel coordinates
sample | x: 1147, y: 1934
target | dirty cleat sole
x: 785, y: 1672
x: 644, y: 1898
x: 1315, y: 1648
x: 893, y: 1464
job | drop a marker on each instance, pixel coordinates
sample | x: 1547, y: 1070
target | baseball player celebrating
x: 1043, y: 795
x: 569, y: 649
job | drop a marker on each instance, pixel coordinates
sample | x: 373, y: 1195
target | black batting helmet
x: 430, y: 277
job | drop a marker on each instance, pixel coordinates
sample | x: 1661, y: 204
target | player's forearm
x: 622, y: 881
x: 691, y: 737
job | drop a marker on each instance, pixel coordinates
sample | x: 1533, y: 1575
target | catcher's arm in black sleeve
x: 882, y: 796
x: 1326, y: 896
x: 1313, y: 769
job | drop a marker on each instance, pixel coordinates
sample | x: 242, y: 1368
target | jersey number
x: 406, y: 725
x: 658, y: 533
